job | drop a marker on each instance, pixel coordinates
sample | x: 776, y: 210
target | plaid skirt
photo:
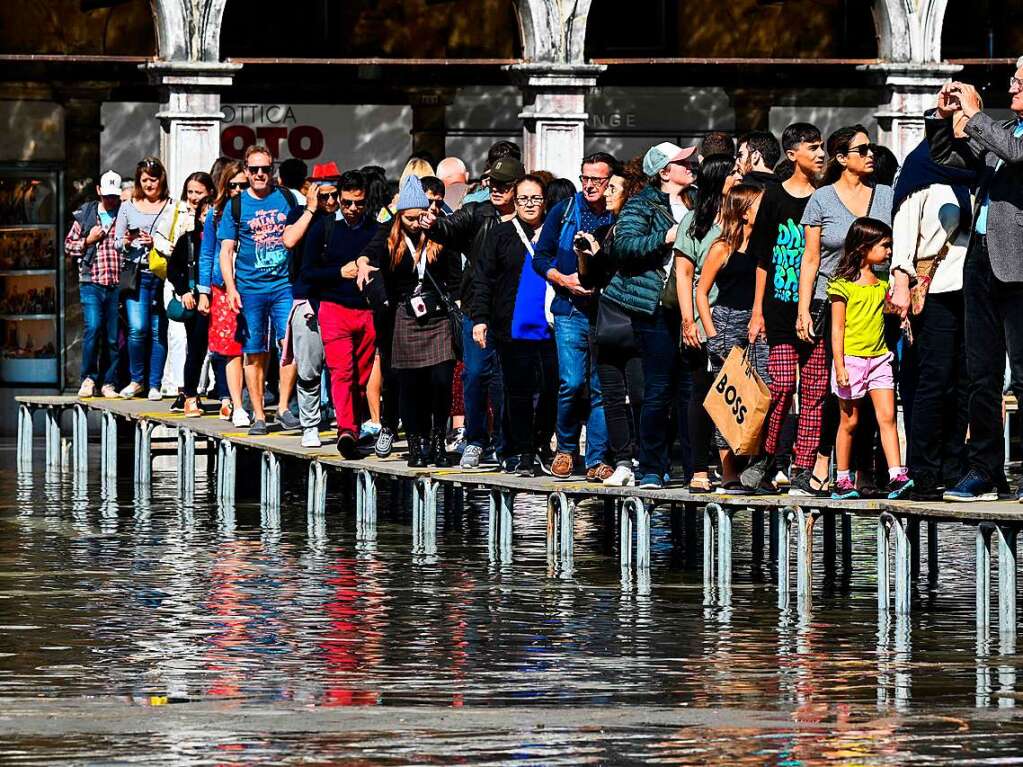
x: 420, y: 344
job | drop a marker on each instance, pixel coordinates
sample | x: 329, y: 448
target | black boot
x: 416, y: 455
x: 438, y: 450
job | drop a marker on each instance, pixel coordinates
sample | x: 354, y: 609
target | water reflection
x: 109, y: 598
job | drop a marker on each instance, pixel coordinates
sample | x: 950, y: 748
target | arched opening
x: 802, y: 29
x: 78, y: 27
x: 408, y: 29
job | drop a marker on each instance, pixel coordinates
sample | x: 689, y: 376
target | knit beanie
x: 412, y: 195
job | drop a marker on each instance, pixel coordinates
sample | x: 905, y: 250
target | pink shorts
x: 865, y: 374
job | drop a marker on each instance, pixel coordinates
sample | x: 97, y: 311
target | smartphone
x: 134, y: 231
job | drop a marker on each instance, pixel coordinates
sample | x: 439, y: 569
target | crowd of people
x: 518, y: 323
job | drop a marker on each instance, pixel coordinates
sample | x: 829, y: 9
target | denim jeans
x: 667, y: 383
x: 579, y: 395
x: 147, y: 331
x: 99, y: 341
x: 481, y: 377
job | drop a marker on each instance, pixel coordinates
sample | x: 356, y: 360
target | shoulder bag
x: 453, y: 312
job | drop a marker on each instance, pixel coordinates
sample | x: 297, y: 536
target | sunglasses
x: 150, y: 165
x: 328, y: 195
x: 862, y: 150
x: 527, y: 202
x: 258, y: 170
x: 353, y: 203
x: 237, y: 185
x: 595, y: 180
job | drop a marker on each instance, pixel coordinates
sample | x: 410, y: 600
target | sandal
x: 700, y: 485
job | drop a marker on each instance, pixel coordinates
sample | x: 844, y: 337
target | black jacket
x: 496, y: 285
x: 183, y: 263
x: 400, y: 281
x: 465, y: 231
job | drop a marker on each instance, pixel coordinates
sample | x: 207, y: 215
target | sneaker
x: 240, y: 418
x: 178, y: 405
x: 288, y: 421
x: 599, y: 473
x: 471, y: 457
x: 131, y: 391
x: 899, y: 486
x: 651, y: 482
x: 489, y: 458
x: 526, y: 467
x: 108, y: 390
x: 385, y: 443
x: 311, y: 437
x: 258, y: 429
x: 802, y: 485
x: 973, y: 487
x: 369, y: 431
x: 844, y: 490
x: 753, y: 475
x: 455, y: 440
x: 732, y: 487
x: 347, y: 445
x: 622, y: 476
x: 510, y: 464
x: 155, y: 395
x: 87, y: 389
x: 226, y: 410
x: 563, y: 465
x: 925, y: 491
x: 192, y: 408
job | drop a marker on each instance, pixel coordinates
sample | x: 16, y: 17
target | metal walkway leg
x: 108, y: 446
x: 983, y: 581
x: 143, y: 459
x: 24, y: 456
x: 365, y: 506
x: 499, y: 530
x: 1007, y: 580
x: 560, y: 544
x: 316, y: 504
x: 80, y: 440
x: 227, y: 459
x: 782, y: 535
x: 270, y: 487
x: 635, y: 515
x: 889, y: 527
x: 710, y: 518
x: 186, y: 464
x: 424, y: 516
x: 52, y: 439
x: 804, y: 558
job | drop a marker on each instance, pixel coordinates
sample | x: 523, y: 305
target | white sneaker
x: 311, y: 437
x: 108, y: 390
x: 155, y: 395
x: 623, y: 477
x: 131, y: 391
x: 87, y: 389
x: 241, y: 419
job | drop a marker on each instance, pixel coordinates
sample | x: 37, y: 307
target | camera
x: 582, y: 243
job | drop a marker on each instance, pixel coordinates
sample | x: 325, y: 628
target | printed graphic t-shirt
x: 261, y: 260
x: 777, y: 243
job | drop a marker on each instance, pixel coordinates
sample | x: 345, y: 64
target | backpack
x: 236, y: 204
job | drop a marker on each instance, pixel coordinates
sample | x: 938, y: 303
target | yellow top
x: 864, y: 316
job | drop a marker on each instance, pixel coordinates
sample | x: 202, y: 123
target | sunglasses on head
x: 257, y: 170
x: 237, y: 184
x: 148, y: 165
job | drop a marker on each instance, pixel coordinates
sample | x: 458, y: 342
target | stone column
x: 912, y: 89
x: 554, y: 115
x: 189, y: 114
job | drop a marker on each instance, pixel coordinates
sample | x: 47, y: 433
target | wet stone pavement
x: 160, y: 633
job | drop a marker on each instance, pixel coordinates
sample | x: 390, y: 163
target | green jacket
x: 640, y: 252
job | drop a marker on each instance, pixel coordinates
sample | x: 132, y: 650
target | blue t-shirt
x: 261, y: 260
x: 105, y: 219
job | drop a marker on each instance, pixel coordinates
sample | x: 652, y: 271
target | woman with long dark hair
x: 223, y: 322
x: 698, y: 229
x: 417, y: 274
x: 143, y: 304
x: 849, y: 192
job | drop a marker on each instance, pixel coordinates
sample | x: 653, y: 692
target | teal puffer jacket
x: 640, y: 252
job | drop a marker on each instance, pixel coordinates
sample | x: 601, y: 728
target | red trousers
x: 349, y: 343
x: 783, y: 363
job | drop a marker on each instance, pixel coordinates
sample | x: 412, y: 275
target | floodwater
x: 161, y: 633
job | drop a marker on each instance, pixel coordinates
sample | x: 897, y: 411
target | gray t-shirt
x: 130, y: 217
x: 827, y: 211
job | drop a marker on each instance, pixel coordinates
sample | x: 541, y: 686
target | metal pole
x: 108, y: 446
x: 226, y: 467
x: 625, y: 539
x: 758, y: 537
x: 709, y: 518
x: 913, y: 534
x: 52, y: 439
x: 724, y: 547
x: 1007, y: 580
x: 567, y: 537
x: 186, y: 464
x: 365, y: 505
x: 80, y: 440
x: 143, y: 459
x: 24, y: 437
x: 829, y: 544
x: 560, y: 548
x: 507, y: 504
x: 882, y: 567
x: 983, y: 580
x: 903, y: 567
x: 846, y: 543
x: 642, y: 512
x: 782, y: 534
x: 316, y: 504
x: 775, y: 525
x: 804, y: 558
x: 932, y: 553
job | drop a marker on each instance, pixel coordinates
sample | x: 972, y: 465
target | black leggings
x: 426, y: 397
x: 621, y: 384
x: 530, y: 375
x: 197, y: 331
x: 390, y: 404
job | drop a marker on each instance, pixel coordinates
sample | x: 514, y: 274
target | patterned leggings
x: 783, y: 362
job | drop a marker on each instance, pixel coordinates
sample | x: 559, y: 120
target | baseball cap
x: 659, y: 156
x: 110, y: 184
x: 506, y: 170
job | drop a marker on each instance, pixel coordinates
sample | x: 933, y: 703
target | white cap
x: 110, y: 183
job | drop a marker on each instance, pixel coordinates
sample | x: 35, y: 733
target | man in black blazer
x: 993, y: 276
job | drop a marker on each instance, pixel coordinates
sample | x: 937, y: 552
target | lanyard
x: 418, y: 256
x: 522, y: 236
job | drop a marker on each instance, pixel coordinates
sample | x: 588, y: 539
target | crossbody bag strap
x: 418, y: 256
x: 525, y: 240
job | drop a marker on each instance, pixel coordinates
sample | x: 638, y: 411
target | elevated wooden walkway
x: 898, y: 522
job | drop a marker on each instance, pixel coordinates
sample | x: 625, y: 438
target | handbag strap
x: 525, y: 240
x: 418, y: 256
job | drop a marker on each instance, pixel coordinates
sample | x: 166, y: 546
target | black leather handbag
x: 614, y: 326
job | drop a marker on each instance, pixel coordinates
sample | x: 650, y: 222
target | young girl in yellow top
x: 862, y: 361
